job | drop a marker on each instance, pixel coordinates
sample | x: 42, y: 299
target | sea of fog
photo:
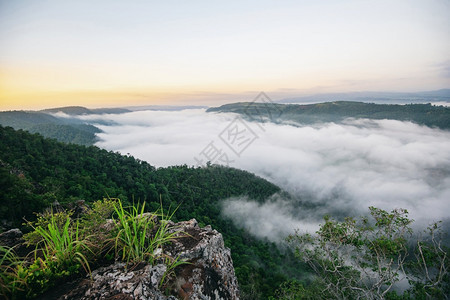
x: 336, y: 169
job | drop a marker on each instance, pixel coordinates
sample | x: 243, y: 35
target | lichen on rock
x: 207, y: 274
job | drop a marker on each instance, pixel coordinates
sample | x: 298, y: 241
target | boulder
x: 207, y: 274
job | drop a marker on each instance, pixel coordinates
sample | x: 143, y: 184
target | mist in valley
x: 336, y: 169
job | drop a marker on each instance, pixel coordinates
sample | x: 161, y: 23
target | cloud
x: 273, y: 220
x: 337, y: 169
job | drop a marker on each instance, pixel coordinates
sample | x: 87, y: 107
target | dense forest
x: 423, y: 114
x: 35, y: 172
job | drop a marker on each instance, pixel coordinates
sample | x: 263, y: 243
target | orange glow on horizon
x: 33, y: 99
x: 41, y: 87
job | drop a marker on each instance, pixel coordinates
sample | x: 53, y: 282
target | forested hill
x: 35, y: 172
x: 423, y: 114
x: 63, y: 130
x: 80, y: 110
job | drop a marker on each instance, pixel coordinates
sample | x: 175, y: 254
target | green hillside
x: 423, y: 114
x: 34, y: 172
x: 63, y: 130
x: 81, y: 134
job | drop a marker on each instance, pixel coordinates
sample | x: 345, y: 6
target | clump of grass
x: 43, y: 220
x: 60, y: 251
x: 63, y: 245
x: 140, y: 236
x: 8, y: 262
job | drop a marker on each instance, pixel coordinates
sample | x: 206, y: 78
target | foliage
x: 101, y: 210
x: 429, y: 272
x: 357, y: 259
x: 295, y: 290
x: 31, y: 280
x: 44, y: 220
x: 93, y: 229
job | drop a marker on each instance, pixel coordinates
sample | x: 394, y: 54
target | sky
x: 116, y: 53
x: 340, y: 168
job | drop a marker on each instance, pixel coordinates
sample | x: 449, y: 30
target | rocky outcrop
x: 119, y: 281
x: 208, y: 273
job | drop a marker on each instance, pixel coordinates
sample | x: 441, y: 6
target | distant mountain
x: 63, y: 129
x: 377, y: 97
x: 80, y: 110
x: 424, y: 114
x: 49, y: 124
x: 165, y: 107
x: 25, y: 119
x: 70, y: 110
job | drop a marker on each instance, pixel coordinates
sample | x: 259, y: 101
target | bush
x: 362, y: 258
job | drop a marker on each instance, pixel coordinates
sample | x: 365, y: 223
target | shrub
x: 360, y: 258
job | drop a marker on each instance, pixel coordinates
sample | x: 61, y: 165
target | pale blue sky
x: 108, y: 52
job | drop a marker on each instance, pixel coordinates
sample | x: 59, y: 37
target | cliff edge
x: 207, y: 273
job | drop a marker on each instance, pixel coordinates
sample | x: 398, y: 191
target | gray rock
x: 11, y: 237
x: 208, y: 273
x: 119, y: 282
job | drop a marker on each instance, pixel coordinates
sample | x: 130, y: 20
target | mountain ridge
x: 338, y: 111
x: 80, y: 110
x: 371, y: 96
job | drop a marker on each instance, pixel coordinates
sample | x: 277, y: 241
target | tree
x: 365, y: 259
